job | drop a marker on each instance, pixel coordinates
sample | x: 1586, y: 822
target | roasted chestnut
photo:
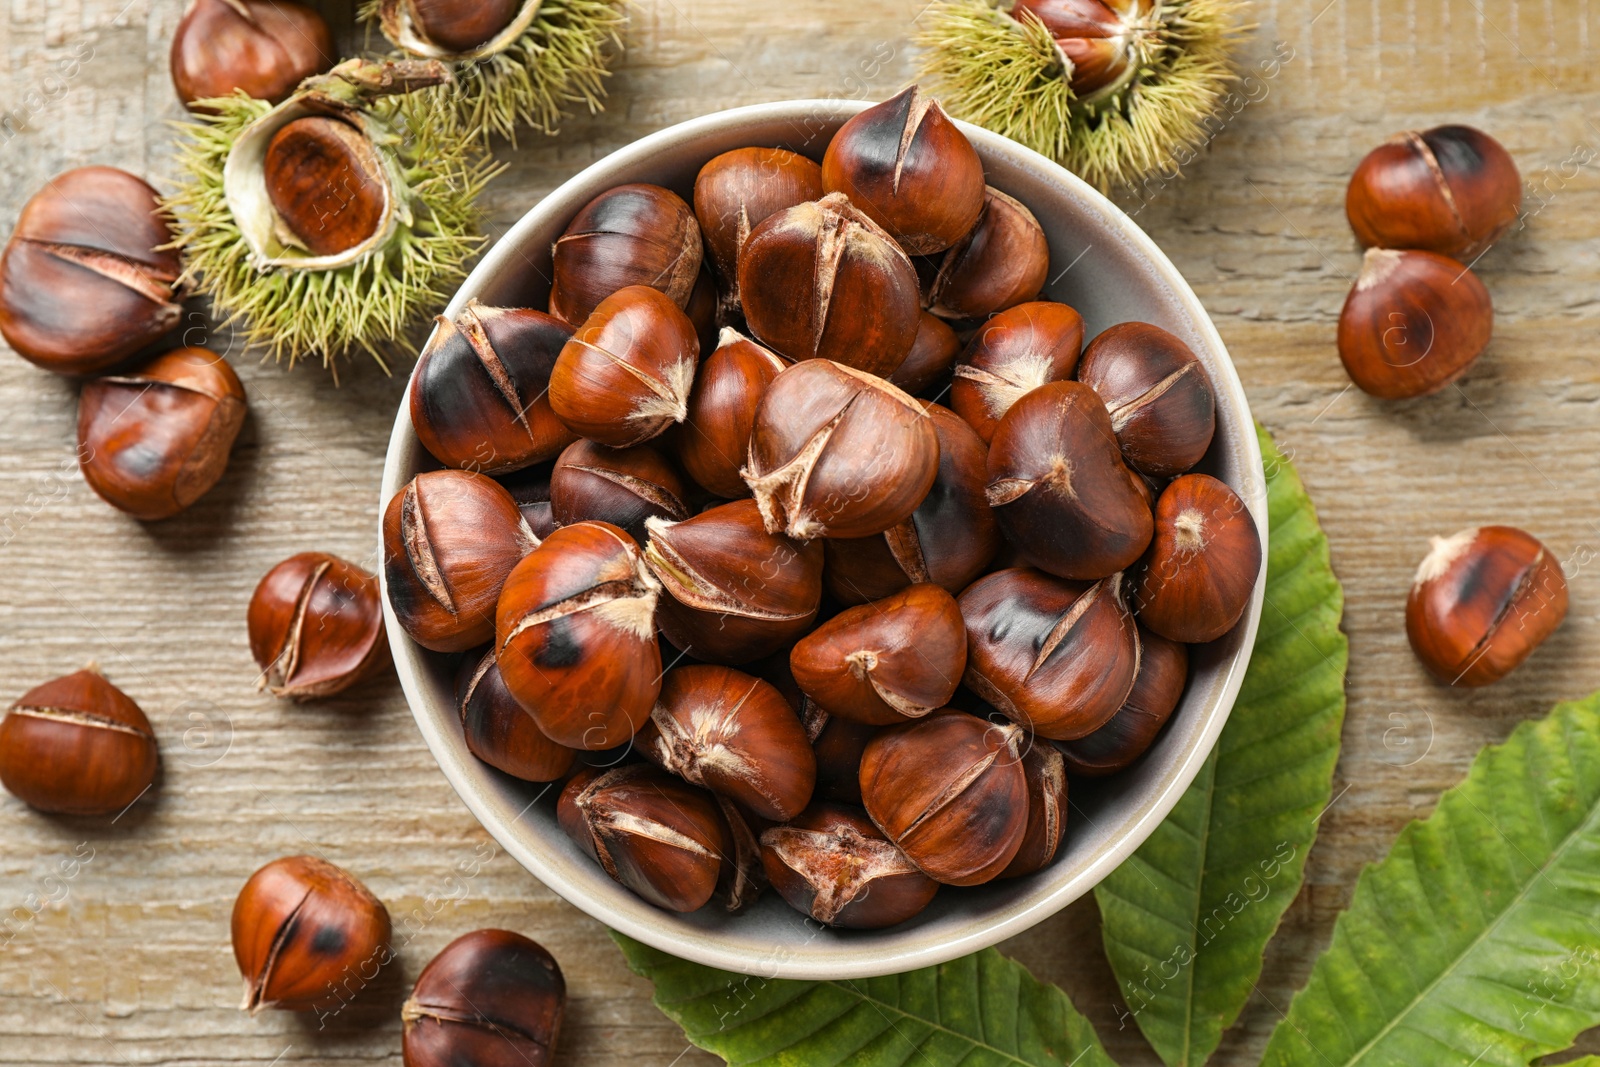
x: 736, y: 191
x: 660, y: 837
x: 575, y: 636
x: 1203, y: 562
x: 838, y: 453
x: 1452, y: 190
x: 1102, y: 41
x: 1046, y: 774
x: 622, y: 486
x: 1059, y: 488
x: 631, y: 235
x: 906, y: 165
x: 304, y: 932
x: 316, y: 627
x: 479, y: 395
x: 626, y: 374
x: 264, y: 47
x: 87, y: 278
x: 155, y: 440
x: 950, y: 791
x: 450, y: 538
x: 77, y: 746
x: 1163, y: 670
x: 735, y: 735
x: 499, y: 732
x: 821, y: 280
x: 932, y: 356
x: 1413, y: 323
x: 735, y: 593
x: 1058, y: 657
x: 832, y: 864
x: 882, y: 663
x: 722, y: 411
x: 1157, y: 394
x: 327, y: 183
x: 1002, y: 262
x: 1017, y: 351
x: 1481, y: 602
x: 491, y: 998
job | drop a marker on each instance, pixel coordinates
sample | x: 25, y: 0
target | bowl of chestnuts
x: 821, y: 540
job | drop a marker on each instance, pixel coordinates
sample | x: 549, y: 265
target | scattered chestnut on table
x: 1014, y: 353
x: 622, y: 486
x: 1158, y: 396
x: 1482, y: 600
x: 1003, y: 261
x: 316, y: 627
x: 722, y: 412
x: 1197, y: 579
x: 499, y: 732
x: 736, y: 191
x: 77, y: 745
x: 1163, y: 670
x: 492, y: 998
x: 832, y: 864
x: 631, y: 235
x: 264, y: 47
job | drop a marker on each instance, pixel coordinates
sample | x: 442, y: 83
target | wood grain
x: 128, y: 961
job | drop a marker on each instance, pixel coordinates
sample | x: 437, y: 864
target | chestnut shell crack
x: 780, y: 494
x: 287, y: 662
x: 642, y: 488
x: 669, y: 399
x: 256, y: 985
x: 153, y: 284
x: 419, y: 551
x: 956, y: 786
x: 470, y: 324
x: 622, y: 593
x: 1529, y: 576
x: 1122, y: 414
x: 838, y: 865
x: 693, y: 589
x: 417, y: 1011
x: 77, y: 717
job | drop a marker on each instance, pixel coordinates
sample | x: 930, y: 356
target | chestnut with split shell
x: 316, y: 627
x: 1003, y: 261
x: 631, y: 235
x: 77, y: 745
x: 622, y: 486
x: 498, y: 730
x: 491, y: 998
x: 1013, y: 354
x: 722, y: 412
x: 737, y: 191
x: 1163, y: 671
x: 832, y: 864
x: 1159, y: 398
x: 1046, y: 774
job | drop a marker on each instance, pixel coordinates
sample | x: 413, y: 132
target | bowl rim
x: 660, y: 929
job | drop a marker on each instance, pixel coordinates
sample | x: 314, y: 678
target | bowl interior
x: 1101, y: 264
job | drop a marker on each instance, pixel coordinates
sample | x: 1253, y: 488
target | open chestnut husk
x: 660, y: 837
x: 304, y: 160
x: 734, y: 592
x: 316, y: 627
x: 622, y: 486
x: 87, y: 279
x: 499, y: 731
x: 575, y: 636
x: 832, y: 864
x: 1157, y: 394
x: 1046, y: 774
x: 450, y: 538
x: 1003, y: 261
x: 905, y: 164
x: 931, y: 358
x: 480, y: 392
x: 264, y: 47
x: 722, y: 412
x: 1163, y: 671
x: 491, y: 998
x: 1057, y: 656
x: 1452, y: 190
x: 736, y: 191
x: 1105, y: 43
x: 77, y: 745
x: 821, y: 280
x: 838, y: 453
x: 1014, y: 353
x: 301, y: 928
x: 1482, y: 601
x: 1197, y: 579
x: 631, y: 235
x: 735, y: 735
x: 1413, y: 323
x: 885, y: 662
x: 153, y: 441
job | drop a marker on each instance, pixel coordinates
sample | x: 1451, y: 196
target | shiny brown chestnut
x: 722, y: 412
x: 450, y: 538
x: 264, y: 47
x: 77, y: 745
x: 836, y: 452
x: 832, y: 864
x: 1017, y: 351
x: 735, y: 735
x: 86, y: 279
x: 821, y: 280
x: 1163, y: 671
x: 491, y: 998
x: 1002, y: 262
x: 1157, y: 394
x: 1452, y: 190
x: 1101, y: 40
x: 307, y: 935
x: 316, y: 627
x: 575, y: 636
x: 480, y: 392
x: 1059, y: 488
x: 153, y: 441
x: 1046, y: 773
x: 1413, y: 323
x: 838, y: 744
x: 950, y: 791
x: 306, y: 159
x: 734, y: 592
x: 498, y: 731
x: 626, y: 374
x: 459, y: 26
x: 631, y: 235
x: 907, y: 165
x: 736, y: 191
x: 1058, y: 657
x: 885, y: 662
x: 1482, y: 601
x: 622, y: 486
x: 1196, y: 580
x: 660, y: 837
x: 949, y: 540
x: 931, y: 358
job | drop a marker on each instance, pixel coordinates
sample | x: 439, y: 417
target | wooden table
x: 131, y: 963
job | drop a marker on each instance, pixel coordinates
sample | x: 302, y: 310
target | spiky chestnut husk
x: 294, y: 304
x: 1011, y: 76
x: 553, y: 55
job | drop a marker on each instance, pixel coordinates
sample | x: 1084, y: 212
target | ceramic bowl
x: 1101, y: 264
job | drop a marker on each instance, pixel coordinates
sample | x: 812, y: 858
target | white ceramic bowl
x: 1101, y: 264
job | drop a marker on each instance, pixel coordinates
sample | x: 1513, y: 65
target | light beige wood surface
x: 130, y: 962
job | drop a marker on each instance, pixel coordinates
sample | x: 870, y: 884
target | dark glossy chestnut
x: 832, y: 864
x: 1013, y: 354
x: 1002, y: 262
x: 491, y: 998
x: 1157, y: 394
x: 1163, y: 671
x: 631, y: 235
x: 622, y: 486
x: 931, y: 358
x: 77, y: 745
x: 1196, y: 581
x: 316, y: 627
x: 264, y: 47
x: 722, y: 412
x: 327, y: 183
x: 1046, y: 773
x: 499, y: 731
x: 736, y: 191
